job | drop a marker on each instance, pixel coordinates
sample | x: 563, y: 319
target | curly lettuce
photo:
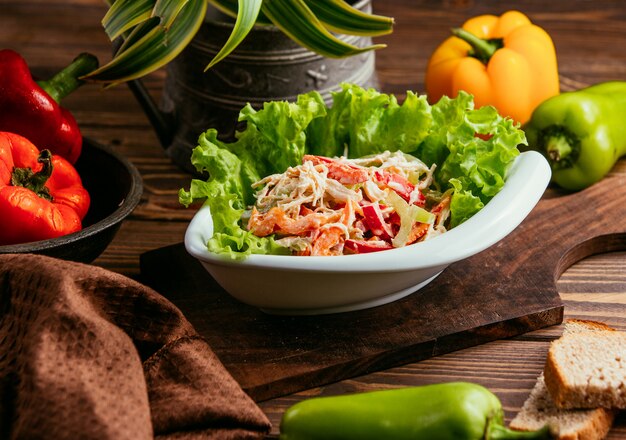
x: 472, y: 148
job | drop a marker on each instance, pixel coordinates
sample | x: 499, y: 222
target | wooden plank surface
x: 271, y: 356
x: 590, y: 37
x: 594, y: 288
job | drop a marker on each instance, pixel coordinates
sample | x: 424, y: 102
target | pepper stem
x: 561, y: 146
x: 36, y: 182
x: 558, y: 148
x: 482, y: 49
x: 498, y: 432
x: 67, y: 80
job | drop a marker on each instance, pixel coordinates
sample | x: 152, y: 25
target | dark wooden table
x: 590, y: 37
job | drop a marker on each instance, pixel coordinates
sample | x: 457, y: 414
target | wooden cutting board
x: 507, y: 290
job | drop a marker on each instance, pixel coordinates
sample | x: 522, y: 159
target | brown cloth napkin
x: 89, y: 354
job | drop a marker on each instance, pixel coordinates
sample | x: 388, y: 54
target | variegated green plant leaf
x: 123, y: 15
x: 164, y: 13
x: 296, y: 20
x: 155, y: 47
x: 168, y: 11
x: 247, y: 14
x: 138, y: 32
x: 339, y: 16
x: 229, y: 7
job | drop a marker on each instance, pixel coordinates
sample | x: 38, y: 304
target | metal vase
x: 266, y: 66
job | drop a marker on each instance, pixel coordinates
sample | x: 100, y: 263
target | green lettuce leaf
x: 464, y: 204
x: 472, y: 148
x: 369, y: 122
x: 273, y: 140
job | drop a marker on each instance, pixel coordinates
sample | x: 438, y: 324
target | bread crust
x: 556, y: 380
x: 574, y: 378
x: 597, y: 422
x: 554, y: 376
x: 596, y: 428
x: 599, y: 425
x: 535, y: 414
x: 588, y: 325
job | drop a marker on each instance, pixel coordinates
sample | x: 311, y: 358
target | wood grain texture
x: 271, y: 356
x: 589, y: 36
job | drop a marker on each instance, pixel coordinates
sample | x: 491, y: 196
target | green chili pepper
x: 581, y: 133
x: 455, y: 411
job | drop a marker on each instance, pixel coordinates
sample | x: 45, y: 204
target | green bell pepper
x: 454, y: 410
x: 581, y: 133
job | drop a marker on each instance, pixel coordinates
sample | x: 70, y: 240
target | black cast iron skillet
x: 115, y: 187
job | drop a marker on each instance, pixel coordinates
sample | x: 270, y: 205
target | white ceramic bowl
x: 315, y: 285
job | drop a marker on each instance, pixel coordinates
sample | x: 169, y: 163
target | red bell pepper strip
x: 365, y: 246
x: 32, y: 109
x: 41, y: 195
x: 400, y: 185
x: 340, y: 171
x: 373, y: 218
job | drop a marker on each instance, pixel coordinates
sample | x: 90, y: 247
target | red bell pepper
x: 400, y: 185
x: 366, y: 246
x: 373, y: 217
x: 340, y: 171
x: 32, y: 110
x: 41, y: 195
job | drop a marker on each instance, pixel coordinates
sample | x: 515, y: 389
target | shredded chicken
x: 315, y: 207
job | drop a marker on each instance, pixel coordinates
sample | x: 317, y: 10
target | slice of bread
x: 587, y: 370
x: 578, y: 326
x: 574, y: 424
x: 539, y: 409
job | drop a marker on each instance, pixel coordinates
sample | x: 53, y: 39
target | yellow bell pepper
x: 505, y: 61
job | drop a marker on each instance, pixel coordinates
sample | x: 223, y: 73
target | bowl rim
x: 524, y: 186
x: 131, y: 200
